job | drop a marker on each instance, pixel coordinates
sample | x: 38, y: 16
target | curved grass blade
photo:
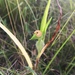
x: 18, y: 44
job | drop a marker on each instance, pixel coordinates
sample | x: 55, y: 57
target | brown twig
x: 53, y: 37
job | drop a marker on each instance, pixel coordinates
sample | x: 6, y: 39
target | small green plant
x: 40, y: 34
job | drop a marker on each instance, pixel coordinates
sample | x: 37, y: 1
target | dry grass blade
x: 18, y: 44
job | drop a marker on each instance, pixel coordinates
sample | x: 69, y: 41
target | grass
x: 22, y: 18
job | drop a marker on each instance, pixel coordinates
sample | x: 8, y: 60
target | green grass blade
x: 71, y: 6
x: 48, y: 66
x: 18, y: 44
x: 48, y: 24
x: 70, y: 66
x: 44, y: 19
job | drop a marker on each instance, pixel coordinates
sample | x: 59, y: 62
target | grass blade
x: 44, y: 19
x: 48, y: 23
x: 48, y: 66
x: 18, y: 44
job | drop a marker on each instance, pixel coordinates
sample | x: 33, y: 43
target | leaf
x: 44, y: 19
x: 33, y: 37
x: 39, y: 45
x: 48, y: 24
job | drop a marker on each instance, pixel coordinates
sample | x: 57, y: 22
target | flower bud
x: 38, y: 33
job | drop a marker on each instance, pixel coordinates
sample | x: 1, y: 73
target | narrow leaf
x: 48, y: 24
x: 44, y: 19
x: 39, y: 45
